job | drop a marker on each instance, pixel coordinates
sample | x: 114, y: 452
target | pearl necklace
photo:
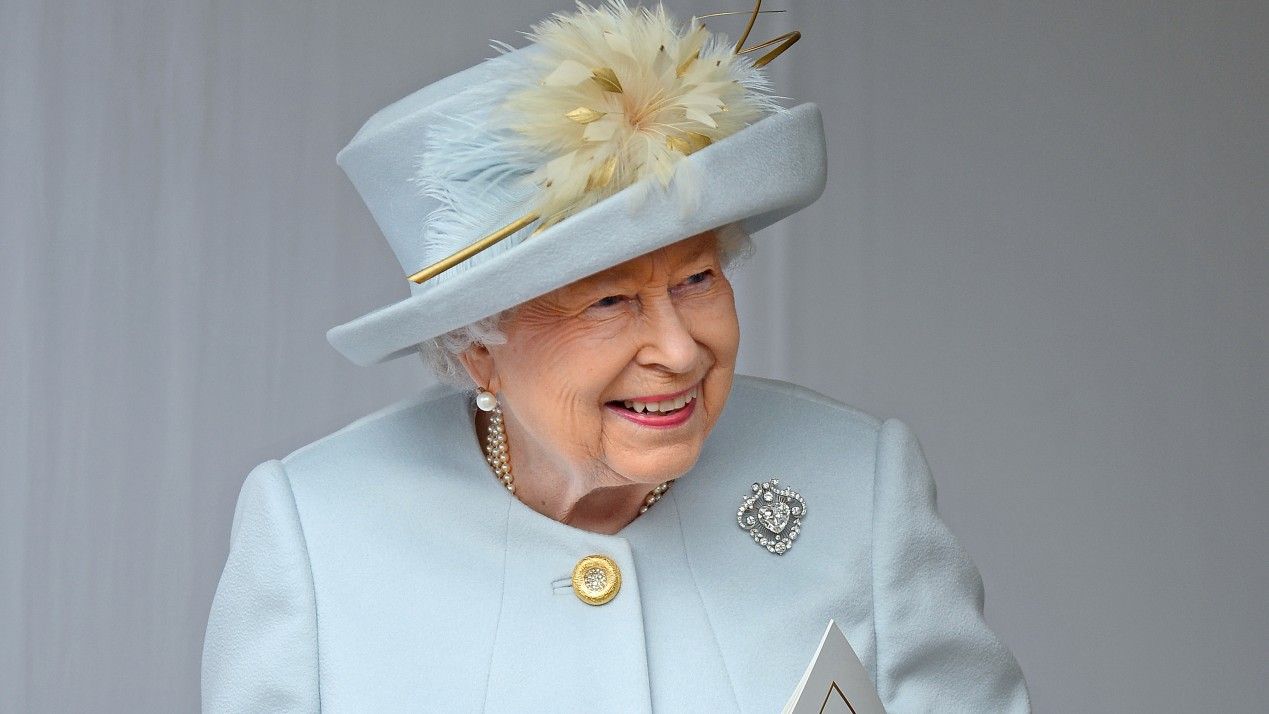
x: 496, y: 457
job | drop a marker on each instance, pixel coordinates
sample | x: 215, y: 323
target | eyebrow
x: 702, y: 249
x: 597, y: 283
x: 687, y: 258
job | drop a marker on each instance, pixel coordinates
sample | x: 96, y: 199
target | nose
x: 667, y: 340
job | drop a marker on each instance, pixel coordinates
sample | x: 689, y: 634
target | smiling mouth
x: 668, y: 406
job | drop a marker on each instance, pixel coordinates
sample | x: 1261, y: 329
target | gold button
x: 596, y: 579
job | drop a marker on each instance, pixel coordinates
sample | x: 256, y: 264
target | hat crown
x: 383, y: 157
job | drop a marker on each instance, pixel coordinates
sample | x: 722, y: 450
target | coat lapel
x: 769, y: 611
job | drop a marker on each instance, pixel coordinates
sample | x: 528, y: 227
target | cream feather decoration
x: 621, y: 95
x: 611, y: 97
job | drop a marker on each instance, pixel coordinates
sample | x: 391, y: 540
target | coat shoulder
x: 413, y: 433
x: 795, y: 406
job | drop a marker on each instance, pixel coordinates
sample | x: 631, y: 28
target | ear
x: 479, y: 363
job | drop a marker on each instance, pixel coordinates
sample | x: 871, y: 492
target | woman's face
x: 593, y: 376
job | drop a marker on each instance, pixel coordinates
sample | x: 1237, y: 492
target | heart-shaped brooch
x: 772, y: 515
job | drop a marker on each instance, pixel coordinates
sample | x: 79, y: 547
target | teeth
x: 665, y: 405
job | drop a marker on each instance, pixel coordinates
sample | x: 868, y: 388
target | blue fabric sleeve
x: 935, y: 652
x: 260, y: 650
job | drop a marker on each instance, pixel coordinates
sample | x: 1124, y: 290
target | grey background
x: 1043, y: 245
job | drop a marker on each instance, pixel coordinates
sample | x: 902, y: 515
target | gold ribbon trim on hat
x: 607, y: 78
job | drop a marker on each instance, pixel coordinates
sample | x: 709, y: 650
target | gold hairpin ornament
x: 712, y: 118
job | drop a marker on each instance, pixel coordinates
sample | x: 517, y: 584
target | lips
x: 663, y: 406
x: 668, y: 412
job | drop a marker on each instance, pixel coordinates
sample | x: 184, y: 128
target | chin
x: 654, y: 470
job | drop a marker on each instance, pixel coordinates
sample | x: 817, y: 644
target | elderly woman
x: 605, y: 516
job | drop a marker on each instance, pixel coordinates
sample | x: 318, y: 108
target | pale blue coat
x: 383, y: 569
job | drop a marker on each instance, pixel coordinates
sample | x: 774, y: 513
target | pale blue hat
x: 437, y: 173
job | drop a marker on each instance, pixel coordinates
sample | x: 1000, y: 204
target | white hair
x: 441, y: 353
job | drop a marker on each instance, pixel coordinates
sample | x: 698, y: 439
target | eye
x: 700, y: 277
x: 609, y: 301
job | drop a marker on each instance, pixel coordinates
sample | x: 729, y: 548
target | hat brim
x: 759, y: 175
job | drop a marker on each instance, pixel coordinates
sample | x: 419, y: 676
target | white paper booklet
x: 835, y: 682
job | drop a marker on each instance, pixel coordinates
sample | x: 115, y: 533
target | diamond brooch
x: 772, y: 515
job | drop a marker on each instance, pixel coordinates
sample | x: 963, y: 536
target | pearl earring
x: 486, y: 400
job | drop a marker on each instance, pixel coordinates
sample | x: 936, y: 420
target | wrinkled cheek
x: 718, y: 387
x: 586, y: 424
x: 730, y: 341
